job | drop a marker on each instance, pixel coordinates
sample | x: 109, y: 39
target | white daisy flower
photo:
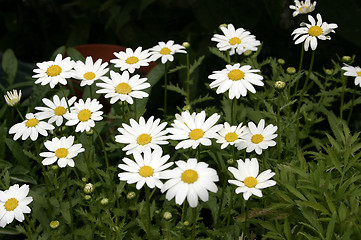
x: 131, y: 60
x: 248, y: 180
x: 31, y: 127
x: 54, y: 72
x: 236, y: 40
x: 55, y: 109
x: 302, y: 7
x: 194, y: 130
x: 258, y: 138
x: 12, y: 97
x: 190, y: 180
x: 89, y: 71
x: 230, y: 135
x: 353, y: 72
x: 165, y: 51
x: 145, y: 169
x: 143, y: 135
x: 62, y: 150
x: 84, y: 114
x: 236, y: 79
x: 311, y: 32
x: 123, y: 87
x: 14, y: 203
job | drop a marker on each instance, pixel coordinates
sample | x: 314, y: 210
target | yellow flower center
x: 59, y: 111
x: 196, y: 134
x: 32, y: 122
x: 89, y: 75
x: 61, y: 152
x: 132, y: 60
x: 231, y: 137
x: 165, y: 51
x: 84, y: 115
x: 11, y: 204
x: 53, y: 70
x: 146, y: 171
x: 315, y: 31
x: 250, y: 182
x: 123, y: 88
x: 234, y: 41
x: 257, y: 138
x: 189, y: 176
x: 303, y: 9
x: 359, y: 74
x: 144, y: 139
x: 235, y: 75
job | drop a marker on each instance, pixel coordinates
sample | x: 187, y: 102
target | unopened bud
x: 104, y: 201
x: 247, y: 53
x: 346, y: 59
x: 186, y: 223
x: 54, y: 167
x: 88, y: 188
x: 167, y: 216
x: 328, y: 71
x: 131, y: 195
x: 291, y: 70
x: 279, y: 85
x: 186, y: 107
x: 54, y: 224
x: 186, y: 44
x: 90, y: 132
x: 87, y: 197
x: 84, y: 179
x: 230, y: 161
x: 281, y: 61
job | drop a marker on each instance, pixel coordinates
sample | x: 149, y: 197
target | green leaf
x: 75, y: 54
x: 287, y: 229
x: 23, y: 178
x: 18, y: 153
x: 59, y: 50
x: 173, y: 70
x: 176, y: 88
x: 316, y: 206
x: 9, y: 231
x: 9, y: 65
x: 196, y: 64
x: 218, y: 53
x: 295, y: 192
x: 331, y: 227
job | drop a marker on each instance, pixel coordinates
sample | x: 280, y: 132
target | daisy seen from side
x: 248, y: 181
x: 230, y: 135
x: 31, y: 127
x: 353, y: 72
x: 89, y: 71
x: 84, y: 114
x: 12, y: 98
x: 194, y: 130
x: 61, y: 150
x: 258, y: 138
x: 54, y: 72
x: 308, y: 33
x: 14, y: 204
x: 191, y: 180
x: 123, y: 87
x: 131, y: 60
x: 54, y: 110
x: 146, y: 168
x: 165, y: 51
x: 236, y: 79
x: 302, y: 7
x: 143, y: 135
x: 235, y: 40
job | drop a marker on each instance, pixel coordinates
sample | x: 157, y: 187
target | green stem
x: 279, y: 125
x: 342, y: 96
x: 70, y: 205
x: 194, y: 221
x: 91, y: 91
x: 233, y: 111
x: 352, y: 103
x: 147, y: 206
x: 66, y: 99
x: 245, y: 231
x: 299, y: 68
x: 188, y: 81
x: 230, y: 206
x: 165, y: 88
x: 167, y: 229
x: 304, y: 89
x: 135, y: 109
x: 183, y: 211
x: 21, y: 116
x: 220, y: 203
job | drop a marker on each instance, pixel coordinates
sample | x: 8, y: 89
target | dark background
x: 35, y: 28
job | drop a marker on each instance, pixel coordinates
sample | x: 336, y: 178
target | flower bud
x: 54, y: 224
x: 131, y: 195
x: 186, y: 107
x: 88, y: 188
x: 346, y: 59
x: 223, y: 25
x: 87, y: 197
x: 291, y: 70
x: 54, y: 167
x: 104, y: 201
x: 279, y: 85
x: 328, y: 71
x: 247, y: 53
x: 12, y: 98
x: 90, y: 132
x: 84, y: 179
x: 186, y: 44
x: 281, y: 61
x: 230, y: 161
x: 186, y: 223
x: 167, y: 216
